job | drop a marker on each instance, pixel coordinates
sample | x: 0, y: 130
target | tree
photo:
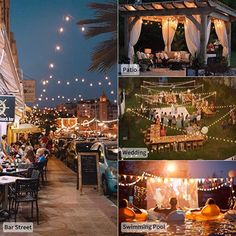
x: 104, y: 22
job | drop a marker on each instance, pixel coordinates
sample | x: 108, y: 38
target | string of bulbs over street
x: 73, y: 82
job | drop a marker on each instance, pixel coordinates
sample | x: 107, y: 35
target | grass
x: 132, y: 126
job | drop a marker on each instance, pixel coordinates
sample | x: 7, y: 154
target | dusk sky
x: 35, y: 25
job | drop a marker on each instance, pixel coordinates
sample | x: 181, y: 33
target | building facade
x: 101, y: 109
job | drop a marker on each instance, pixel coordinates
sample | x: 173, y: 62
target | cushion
x: 139, y: 55
x: 143, y: 55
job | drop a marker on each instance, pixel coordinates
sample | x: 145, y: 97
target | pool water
x: 205, y: 228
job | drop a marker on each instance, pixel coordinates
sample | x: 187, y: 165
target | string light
x: 61, y: 30
x: 58, y: 48
x: 67, y: 18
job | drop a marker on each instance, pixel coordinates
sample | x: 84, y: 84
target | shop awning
x: 26, y: 128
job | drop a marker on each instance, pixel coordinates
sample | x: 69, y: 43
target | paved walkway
x: 64, y: 212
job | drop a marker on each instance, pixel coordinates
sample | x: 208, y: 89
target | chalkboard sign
x: 88, y: 170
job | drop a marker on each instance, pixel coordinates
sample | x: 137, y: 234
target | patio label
x: 130, y: 69
x: 7, y: 108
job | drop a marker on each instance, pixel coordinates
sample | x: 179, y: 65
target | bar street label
x: 7, y: 108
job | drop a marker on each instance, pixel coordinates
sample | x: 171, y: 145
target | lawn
x: 132, y: 126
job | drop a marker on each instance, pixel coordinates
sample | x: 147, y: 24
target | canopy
x: 9, y: 75
x: 26, y: 128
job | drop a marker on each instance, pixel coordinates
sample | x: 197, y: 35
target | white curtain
x: 192, y: 35
x: 208, y: 30
x: 169, y: 26
x: 134, y: 36
x: 221, y: 32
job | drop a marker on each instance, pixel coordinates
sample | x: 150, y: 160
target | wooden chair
x: 167, y: 147
x: 188, y: 146
x: 200, y: 144
x: 161, y: 148
x: 195, y: 145
x: 154, y: 148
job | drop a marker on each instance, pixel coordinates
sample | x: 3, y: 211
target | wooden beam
x: 203, y: 39
x: 220, y: 16
x: 126, y: 34
x: 229, y: 34
x: 198, y: 25
x: 170, y: 12
x: 222, y: 7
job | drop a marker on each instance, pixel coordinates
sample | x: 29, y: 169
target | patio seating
x: 160, y: 148
x: 188, y: 146
x: 26, y: 190
x: 200, y: 144
x: 195, y: 145
x: 167, y: 147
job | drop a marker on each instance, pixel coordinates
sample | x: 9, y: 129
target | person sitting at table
x: 40, y: 157
x: 166, y: 211
x: 4, y: 145
x: 29, y: 158
x: 163, y: 131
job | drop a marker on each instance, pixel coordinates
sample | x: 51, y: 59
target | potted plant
x: 144, y: 64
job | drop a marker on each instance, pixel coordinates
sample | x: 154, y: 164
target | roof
x: 179, y: 7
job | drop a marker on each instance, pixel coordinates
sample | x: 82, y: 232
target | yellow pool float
x: 209, y: 212
x: 128, y: 215
x: 141, y: 216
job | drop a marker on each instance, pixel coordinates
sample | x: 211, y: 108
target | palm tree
x: 104, y: 55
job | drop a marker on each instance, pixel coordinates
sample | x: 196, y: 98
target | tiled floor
x: 64, y: 212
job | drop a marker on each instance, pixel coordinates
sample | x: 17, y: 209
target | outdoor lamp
x: 148, y: 51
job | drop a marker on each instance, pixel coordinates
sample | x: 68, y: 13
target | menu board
x: 88, y: 170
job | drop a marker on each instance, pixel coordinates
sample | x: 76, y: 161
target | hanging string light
x: 51, y: 66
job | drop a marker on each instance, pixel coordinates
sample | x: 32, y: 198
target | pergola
x: 199, y: 12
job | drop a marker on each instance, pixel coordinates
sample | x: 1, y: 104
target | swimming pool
x: 206, y: 228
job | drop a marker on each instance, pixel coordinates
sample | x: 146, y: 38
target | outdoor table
x: 176, y: 138
x: 5, y: 181
x: 15, y: 172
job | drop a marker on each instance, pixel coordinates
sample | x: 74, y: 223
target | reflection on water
x: 196, y: 228
x: 206, y: 228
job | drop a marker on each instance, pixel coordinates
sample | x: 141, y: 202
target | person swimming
x: 166, y: 211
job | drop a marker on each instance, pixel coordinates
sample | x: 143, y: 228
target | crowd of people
x: 180, y: 121
x: 129, y: 212
x: 30, y: 151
